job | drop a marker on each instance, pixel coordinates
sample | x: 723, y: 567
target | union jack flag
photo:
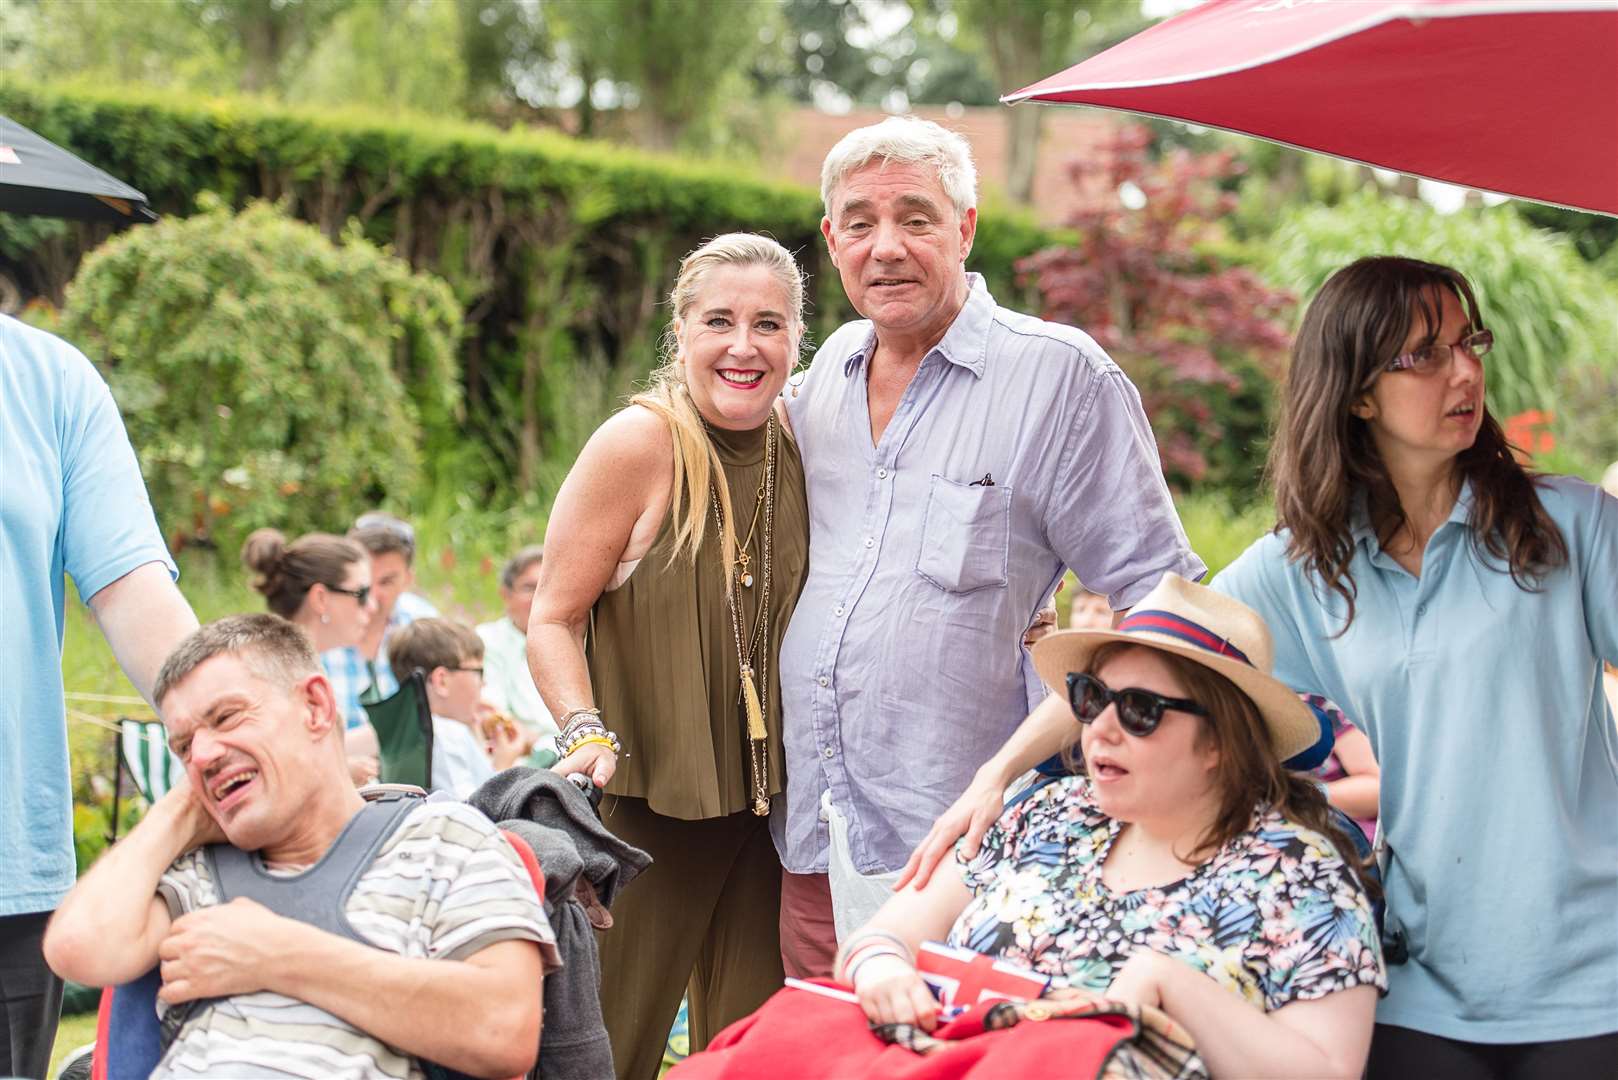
x: 962, y: 978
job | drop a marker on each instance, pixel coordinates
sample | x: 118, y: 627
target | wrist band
x: 869, y: 955
x: 574, y: 716
x: 595, y: 733
x: 871, y: 938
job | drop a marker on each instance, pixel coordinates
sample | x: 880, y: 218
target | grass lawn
x: 73, y: 1033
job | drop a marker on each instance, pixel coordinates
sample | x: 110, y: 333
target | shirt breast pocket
x: 965, y: 536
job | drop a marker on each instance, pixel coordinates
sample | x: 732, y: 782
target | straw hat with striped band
x: 1195, y: 622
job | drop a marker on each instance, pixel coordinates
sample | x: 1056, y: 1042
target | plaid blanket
x: 1153, y: 1047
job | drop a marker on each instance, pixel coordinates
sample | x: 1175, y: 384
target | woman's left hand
x: 1140, y: 982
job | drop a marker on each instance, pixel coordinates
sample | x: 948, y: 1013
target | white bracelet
x: 871, y: 954
x: 859, y: 942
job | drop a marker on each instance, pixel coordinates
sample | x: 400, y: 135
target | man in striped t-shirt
x: 456, y: 942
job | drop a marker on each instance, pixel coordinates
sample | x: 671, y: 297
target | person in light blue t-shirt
x: 1459, y: 608
x: 72, y: 502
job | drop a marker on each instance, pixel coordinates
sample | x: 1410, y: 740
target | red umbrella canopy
x: 1514, y: 96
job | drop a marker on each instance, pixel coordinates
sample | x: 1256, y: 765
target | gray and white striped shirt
x: 446, y: 885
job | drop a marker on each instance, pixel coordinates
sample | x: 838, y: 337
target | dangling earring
x: 324, y: 618
x: 796, y: 381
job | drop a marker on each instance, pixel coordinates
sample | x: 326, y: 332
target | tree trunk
x: 1022, y: 151
x: 261, y: 51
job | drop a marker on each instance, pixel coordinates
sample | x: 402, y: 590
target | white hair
x: 908, y: 140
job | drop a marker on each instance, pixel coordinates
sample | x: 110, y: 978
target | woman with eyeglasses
x: 1179, y: 865
x: 322, y: 583
x: 1459, y: 607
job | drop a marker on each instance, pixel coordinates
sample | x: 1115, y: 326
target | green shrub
x: 1549, y: 309
x: 258, y: 366
x: 548, y: 242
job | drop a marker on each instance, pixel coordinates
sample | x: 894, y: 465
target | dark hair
x: 382, y: 534
x: 1249, y: 773
x: 519, y: 562
x: 1323, y: 459
x: 425, y: 645
x: 275, y: 649
x: 286, y: 572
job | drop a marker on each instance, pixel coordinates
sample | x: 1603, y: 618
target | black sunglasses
x: 361, y: 594
x: 1139, y: 711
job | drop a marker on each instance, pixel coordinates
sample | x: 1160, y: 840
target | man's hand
x: 222, y: 951
x: 970, y: 816
x: 1044, y: 622
x: 595, y: 760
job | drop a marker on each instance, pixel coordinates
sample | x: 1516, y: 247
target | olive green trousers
x: 703, y: 920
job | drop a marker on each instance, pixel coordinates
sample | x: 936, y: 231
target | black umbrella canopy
x: 38, y: 177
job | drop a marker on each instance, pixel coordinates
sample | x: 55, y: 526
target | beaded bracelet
x: 595, y: 740
x: 578, y: 718
x: 566, y: 746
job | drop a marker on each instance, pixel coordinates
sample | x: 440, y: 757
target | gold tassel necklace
x: 756, y: 650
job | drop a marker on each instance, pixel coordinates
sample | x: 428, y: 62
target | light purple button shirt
x: 1019, y: 449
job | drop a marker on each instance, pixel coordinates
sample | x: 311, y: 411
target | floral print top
x: 1275, y: 915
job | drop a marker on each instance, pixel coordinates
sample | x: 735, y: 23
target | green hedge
x: 560, y: 251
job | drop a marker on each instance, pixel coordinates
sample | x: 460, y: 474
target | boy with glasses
x: 449, y: 656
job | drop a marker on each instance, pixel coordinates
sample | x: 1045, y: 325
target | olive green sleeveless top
x: 662, y: 654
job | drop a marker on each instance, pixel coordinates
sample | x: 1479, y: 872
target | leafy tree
x: 506, y: 52
x: 386, y: 53
x: 259, y: 365
x: 678, y: 60
x: 1026, y: 40
x: 157, y: 43
x: 265, y: 34
x: 1201, y: 338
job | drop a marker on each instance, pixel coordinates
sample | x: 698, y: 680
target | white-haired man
x: 444, y: 942
x: 959, y: 457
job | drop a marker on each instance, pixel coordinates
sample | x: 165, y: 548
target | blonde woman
x: 673, y: 558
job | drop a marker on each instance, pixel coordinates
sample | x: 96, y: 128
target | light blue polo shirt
x: 71, y: 500
x: 1499, y: 761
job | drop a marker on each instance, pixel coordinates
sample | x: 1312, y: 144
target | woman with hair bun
x: 674, y: 556
x: 322, y: 584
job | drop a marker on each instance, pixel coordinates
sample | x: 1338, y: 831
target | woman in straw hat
x: 1179, y: 866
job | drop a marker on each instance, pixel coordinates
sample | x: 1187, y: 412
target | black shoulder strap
x: 318, y: 895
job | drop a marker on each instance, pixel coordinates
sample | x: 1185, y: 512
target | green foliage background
x: 1551, y: 311
x: 261, y: 368
x: 559, y: 252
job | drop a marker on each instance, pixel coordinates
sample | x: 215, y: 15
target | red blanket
x: 802, y: 1036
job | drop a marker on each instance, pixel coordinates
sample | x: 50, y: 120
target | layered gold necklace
x: 752, y: 657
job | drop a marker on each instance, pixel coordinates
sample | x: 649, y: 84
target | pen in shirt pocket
x: 987, y: 481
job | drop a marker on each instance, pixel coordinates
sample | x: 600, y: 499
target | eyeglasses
x: 1431, y: 359
x: 1139, y: 711
x: 361, y: 594
x: 478, y: 671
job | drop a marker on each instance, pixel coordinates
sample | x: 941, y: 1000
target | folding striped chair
x: 143, y: 749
